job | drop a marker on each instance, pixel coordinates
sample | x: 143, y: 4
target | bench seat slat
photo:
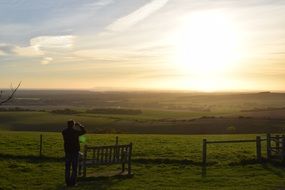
x: 110, y: 146
x: 89, y: 163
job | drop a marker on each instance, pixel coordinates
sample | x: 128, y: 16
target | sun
x: 207, y: 45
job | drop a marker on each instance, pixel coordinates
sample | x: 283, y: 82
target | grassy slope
x: 159, y: 162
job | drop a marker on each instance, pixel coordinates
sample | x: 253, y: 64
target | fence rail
x: 232, y: 141
x: 205, y: 142
x: 275, y: 148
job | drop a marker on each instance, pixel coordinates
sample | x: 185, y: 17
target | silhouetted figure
x: 71, y: 149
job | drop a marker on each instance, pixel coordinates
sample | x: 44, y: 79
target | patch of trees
x: 14, y: 109
x: 65, y: 111
x: 264, y: 109
x: 99, y: 111
x: 114, y: 111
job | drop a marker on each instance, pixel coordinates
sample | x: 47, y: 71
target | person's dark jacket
x: 71, y: 139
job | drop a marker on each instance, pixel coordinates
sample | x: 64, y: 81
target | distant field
x: 159, y: 162
x: 149, y: 122
x: 154, y: 112
x: 183, y: 101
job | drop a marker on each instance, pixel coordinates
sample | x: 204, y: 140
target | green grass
x: 159, y: 162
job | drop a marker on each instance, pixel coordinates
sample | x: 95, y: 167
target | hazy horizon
x: 184, y: 45
x: 106, y: 89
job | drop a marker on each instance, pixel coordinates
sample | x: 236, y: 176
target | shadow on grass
x: 264, y: 162
x: 98, y: 183
x: 247, y: 162
x: 166, y: 161
x: 31, y: 158
x: 273, y: 169
x: 273, y: 166
x: 36, y: 159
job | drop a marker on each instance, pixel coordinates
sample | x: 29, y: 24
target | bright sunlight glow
x: 207, y: 47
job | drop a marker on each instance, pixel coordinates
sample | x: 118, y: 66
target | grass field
x: 159, y: 162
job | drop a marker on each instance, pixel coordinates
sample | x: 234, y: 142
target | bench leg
x: 129, y: 168
x: 123, y: 167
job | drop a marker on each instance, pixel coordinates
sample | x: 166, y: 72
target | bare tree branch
x: 10, y: 97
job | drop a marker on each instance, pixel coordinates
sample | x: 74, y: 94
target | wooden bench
x: 105, y: 155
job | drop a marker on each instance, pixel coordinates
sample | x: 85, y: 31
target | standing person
x: 71, y: 149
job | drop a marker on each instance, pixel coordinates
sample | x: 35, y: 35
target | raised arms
x: 82, y: 128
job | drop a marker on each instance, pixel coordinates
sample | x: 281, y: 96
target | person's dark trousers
x: 71, y: 160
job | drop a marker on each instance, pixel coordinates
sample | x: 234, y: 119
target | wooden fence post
x: 41, y: 144
x: 204, y: 157
x: 129, y: 159
x: 258, y: 149
x: 277, y: 143
x: 268, y: 146
x: 116, y: 150
x: 84, y: 160
x: 283, y: 149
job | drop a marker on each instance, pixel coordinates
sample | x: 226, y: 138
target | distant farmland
x: 146, y: 112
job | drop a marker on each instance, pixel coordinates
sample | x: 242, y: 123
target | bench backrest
x: 108, y: 154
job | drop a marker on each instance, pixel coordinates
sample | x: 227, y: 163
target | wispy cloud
x: 128, y: 21
x: 46, y: 60
x: 50, y: 44
x: 53, y: 42
x: 98, y: 4
x: 41, y: 46
x: 29, y: 51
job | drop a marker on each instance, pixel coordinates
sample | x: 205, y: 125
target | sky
x: 221, y: 45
